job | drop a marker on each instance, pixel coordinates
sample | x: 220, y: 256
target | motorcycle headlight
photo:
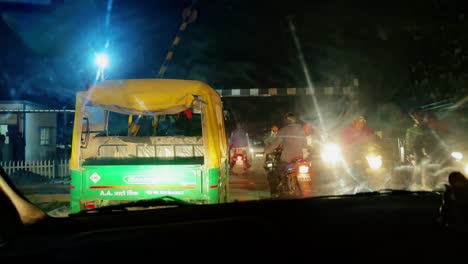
x: 457, y: 155
x: 303, y: 169
x: 331, y: 153
x: 251, y: 149
x: 375, y: 162
x: 269, y: 165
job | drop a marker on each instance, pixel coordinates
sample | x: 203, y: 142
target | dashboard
x: 403, y: 222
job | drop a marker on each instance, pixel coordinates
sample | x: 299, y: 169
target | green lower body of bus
x: 105, y: 183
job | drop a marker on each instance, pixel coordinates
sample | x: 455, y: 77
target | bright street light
x: 101, y: 60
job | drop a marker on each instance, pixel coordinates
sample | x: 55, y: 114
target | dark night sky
x: 45, y: 52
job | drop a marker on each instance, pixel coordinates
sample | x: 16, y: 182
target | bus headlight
x: 331, y: 153
x: 375, y: 162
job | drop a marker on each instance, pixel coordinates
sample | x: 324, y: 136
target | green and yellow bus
x: 148, y: 138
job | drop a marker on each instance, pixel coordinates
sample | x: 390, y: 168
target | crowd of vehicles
x: 375, y: 164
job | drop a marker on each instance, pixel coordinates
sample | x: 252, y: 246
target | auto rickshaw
x: 148, y: 138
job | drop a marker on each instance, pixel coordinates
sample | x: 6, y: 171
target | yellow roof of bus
x: 146, y: 95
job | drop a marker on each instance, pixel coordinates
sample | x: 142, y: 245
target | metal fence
x: 47, y: 168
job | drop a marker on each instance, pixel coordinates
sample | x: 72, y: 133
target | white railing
x: 46, y: 168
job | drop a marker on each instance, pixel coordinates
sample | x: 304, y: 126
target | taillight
x: 90, y: 206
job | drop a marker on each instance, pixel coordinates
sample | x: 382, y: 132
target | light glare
x: 457, y: 155
x: 331, y: 153
x: 375, y: 162
x: 101, y: 60
x: 303, y: 169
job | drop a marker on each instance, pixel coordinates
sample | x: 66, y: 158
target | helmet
x: 359, y: 122
x: 290, y: 118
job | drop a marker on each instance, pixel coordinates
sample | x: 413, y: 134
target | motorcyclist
x: 292, y: 140
x: 239, y: 141
x: 308, y: 133
x: 271, y: 159
x: 357, y: 140
x: 311, y: 140
x: 357, y: 133
x: 271, y: 135
x: 420, y: 140
x: 268, y: 139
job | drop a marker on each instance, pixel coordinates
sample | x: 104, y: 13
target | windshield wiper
x: 161, y: 201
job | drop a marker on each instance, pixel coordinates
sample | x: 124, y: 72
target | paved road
x: 251, y: 185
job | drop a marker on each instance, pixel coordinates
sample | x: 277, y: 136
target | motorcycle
x: 297, y: 179
x: 370, y: 166
x: 368, y: 158
x: 271, y: 161
x: 431, y: 171
x: 459, y: 161
x: 239, y: 160
x: 270, y: 164
x: 353, y: 167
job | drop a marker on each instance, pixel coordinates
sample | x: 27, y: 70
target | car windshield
x: 109, y: 102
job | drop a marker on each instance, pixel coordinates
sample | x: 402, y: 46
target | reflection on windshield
x: 383, y: 97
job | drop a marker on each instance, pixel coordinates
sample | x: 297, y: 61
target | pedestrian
x: 2, y: 146
x: 19, y: 146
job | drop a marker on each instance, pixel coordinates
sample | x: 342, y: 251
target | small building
x: 30, y: 131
